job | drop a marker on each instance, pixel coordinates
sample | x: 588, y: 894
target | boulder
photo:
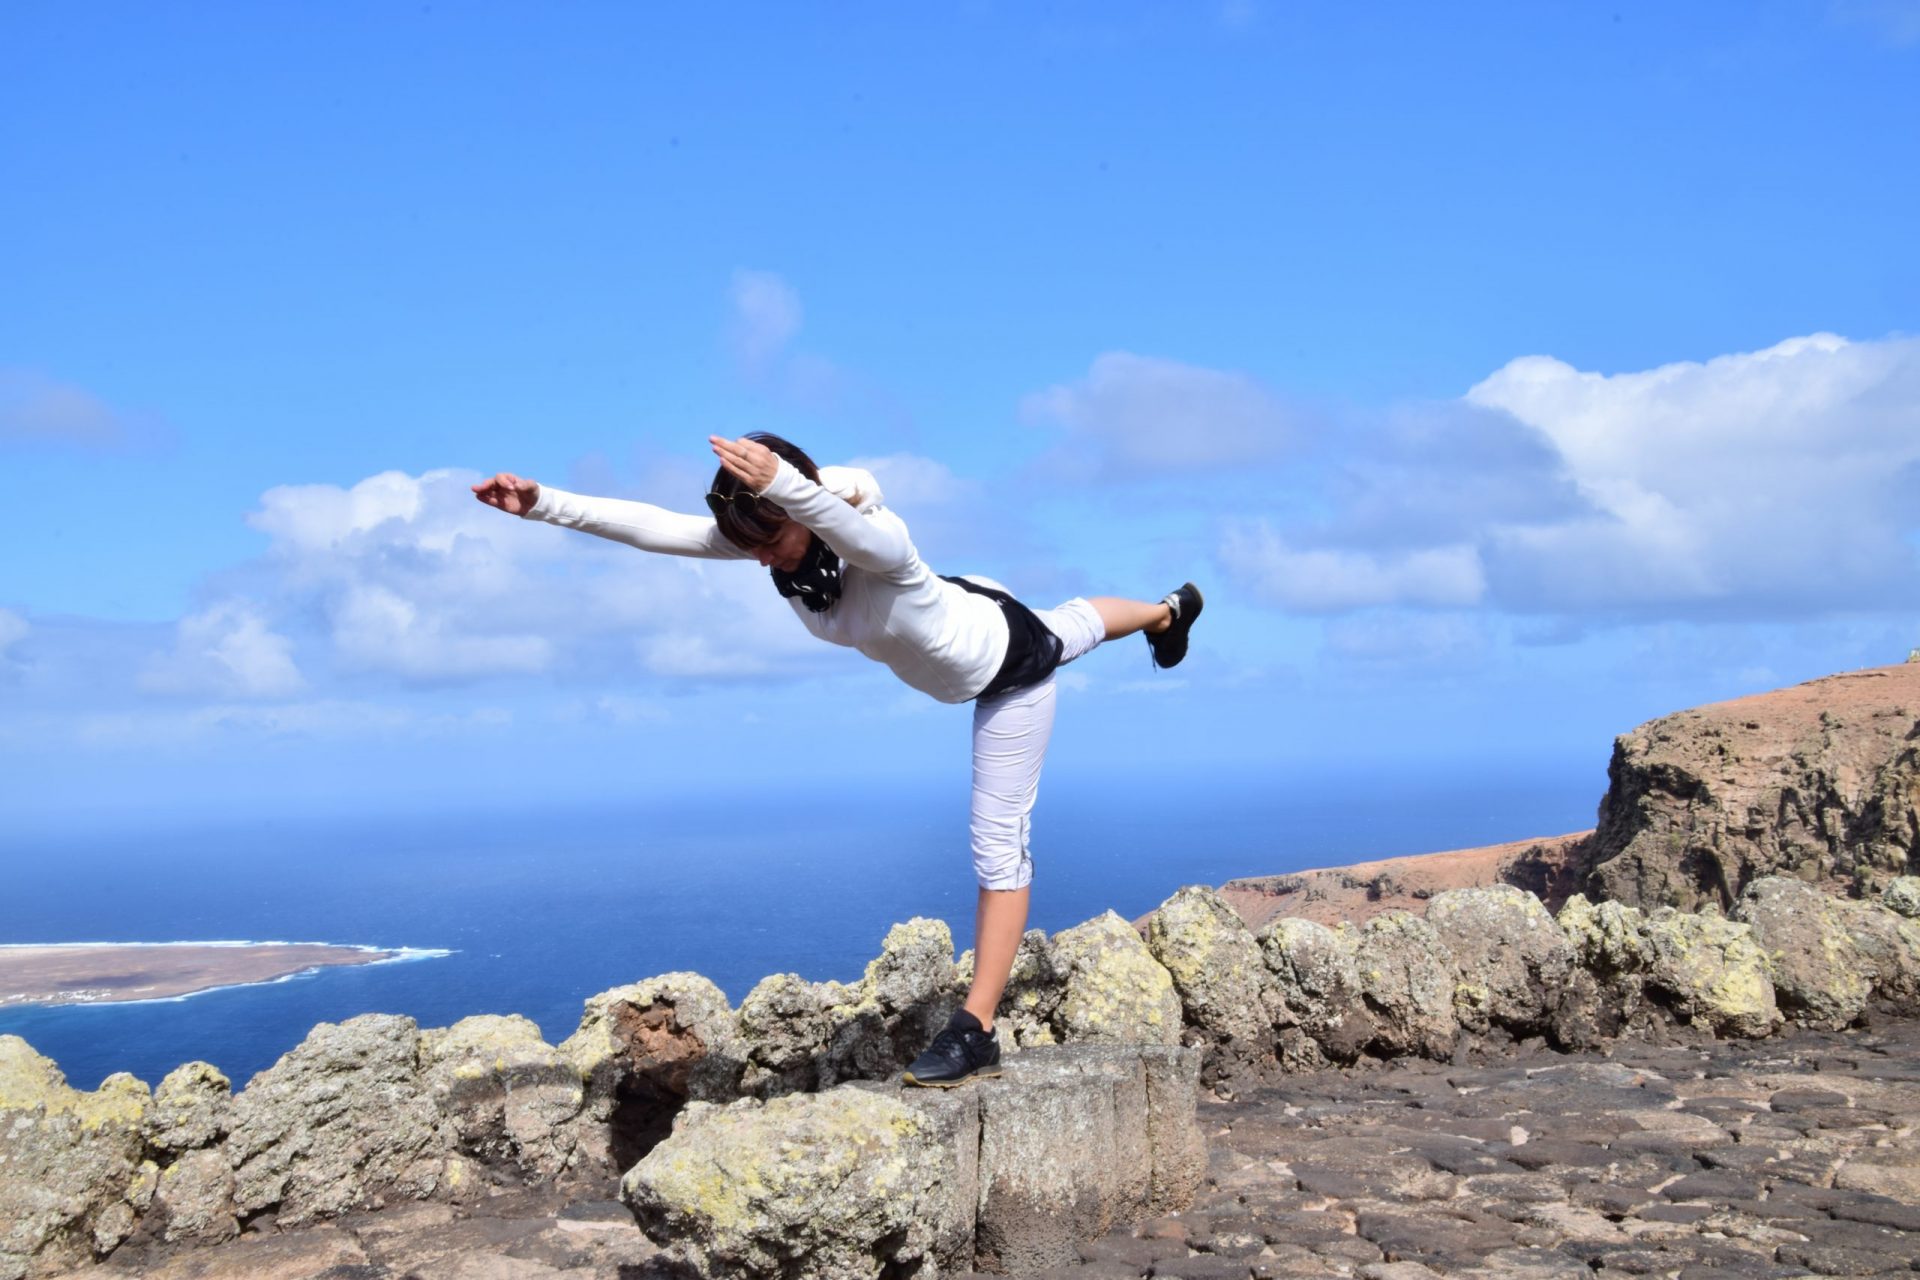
x: 870, y: 1179
x: 836, y: 1185
x: 644, y: 1050
x: 508, y: 1094
x: 1818, y: 974
x: 342, y: 1120
x: 1511, y: 960
x: 1318, y: 981
x: 1711, y: 971
x: 882, y: 1022
x: 1064, y: 1155
x: 783, y: 1029
x: 1698, y: 969
x: 797, y: 1035
x: 1406, y: 978
x: 192, y: 1108
x: 73, y: 1169
x: 1224, y: 986
x: 1032, y: 998
x: 195, y: 1198
x: 1902, y: 896
x: 1113, y: 990
x: 1819, y: 782
x: 1606, y: 991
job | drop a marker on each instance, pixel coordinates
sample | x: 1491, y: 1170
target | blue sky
x: 1508, y: 374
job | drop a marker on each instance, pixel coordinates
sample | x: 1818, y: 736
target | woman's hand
x: 750, y: 460
x: 509, y: 493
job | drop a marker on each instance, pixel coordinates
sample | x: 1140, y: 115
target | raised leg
x: 1124, y: 617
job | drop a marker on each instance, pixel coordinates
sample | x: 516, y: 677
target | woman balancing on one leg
x: 852, y: 574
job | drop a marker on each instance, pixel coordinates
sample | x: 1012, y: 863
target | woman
x: 851, y: 572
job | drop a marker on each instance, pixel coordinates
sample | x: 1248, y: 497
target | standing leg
x: 1010, y: 735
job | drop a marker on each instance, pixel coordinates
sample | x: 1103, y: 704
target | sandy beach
x: 108, y: 972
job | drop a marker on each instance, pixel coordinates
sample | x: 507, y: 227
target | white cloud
x: 36, y: 408
x: 911, y: 482
x: 319, y: 517
x: 1334, y: 580
x: 1136, y: 414
x: 766, y: 318
x: 327, y: 718
x: 1777, y: 483
x: 378, y: 629
x: 409, y: 576
x: 1767, y: 482
x: 1423, y: 640
x: 13, y: 629
x: 227, y: 651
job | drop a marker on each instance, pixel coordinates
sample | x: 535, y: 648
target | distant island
x: 102, y: 973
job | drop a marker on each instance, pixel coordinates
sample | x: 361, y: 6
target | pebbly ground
x: 1786, y: 1157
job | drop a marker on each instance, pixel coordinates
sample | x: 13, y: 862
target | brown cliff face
x: 1820, y: 781
x: 1548, y: 867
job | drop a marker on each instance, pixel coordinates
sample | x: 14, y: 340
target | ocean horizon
x: 532, y: 913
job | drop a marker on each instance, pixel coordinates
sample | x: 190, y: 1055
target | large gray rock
x: 1511, y: 961
x: 1113, y: 990
x: 192, y: 1108
x: 343, y: 1120
x: 1225, y: 988
x: 783, y: 1031
x: 1712, y: 971
x: 1064, y: 1155
x: 1317, y: 979
x: 1902, y: 896
x: 642, y: 1051
x: 839, y: 1185
x: 1699, y: 969
x: 195, y: 1198
x: 508, y: 1094
x: 882, y: 1022
x: 1827, y: 957
x: 1031, y: 1001
x: 797, y: 1035
x: 1819, y: 782
x: 870, y: 1179
x: 73, y: 1172
x: 1406, y: 978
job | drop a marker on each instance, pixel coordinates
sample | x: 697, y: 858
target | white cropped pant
x: 1010, y: 735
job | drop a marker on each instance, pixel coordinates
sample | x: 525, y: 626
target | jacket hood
x: 845, y: 482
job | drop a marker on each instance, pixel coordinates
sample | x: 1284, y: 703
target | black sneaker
x: 1169, y: 646
x: 960, y: 1052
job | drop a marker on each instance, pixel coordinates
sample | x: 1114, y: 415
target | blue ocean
x: 537, y: 911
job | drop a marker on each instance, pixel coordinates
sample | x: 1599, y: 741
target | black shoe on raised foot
x: 962, y: 1052
x: 1170, y: 646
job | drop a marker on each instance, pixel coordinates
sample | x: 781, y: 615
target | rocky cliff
x: 1820, y: 781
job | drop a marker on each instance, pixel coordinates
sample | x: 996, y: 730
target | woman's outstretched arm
x: 638, y: 524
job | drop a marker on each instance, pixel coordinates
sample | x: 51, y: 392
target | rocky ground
x: 1788, y: 1157
x: 1785, y: 1157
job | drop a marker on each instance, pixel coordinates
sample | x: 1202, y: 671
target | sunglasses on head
x: 742, y: 501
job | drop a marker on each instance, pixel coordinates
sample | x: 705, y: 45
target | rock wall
x: 376, y: 1110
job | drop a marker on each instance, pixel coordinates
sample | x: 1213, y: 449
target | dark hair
x: 751, y: 528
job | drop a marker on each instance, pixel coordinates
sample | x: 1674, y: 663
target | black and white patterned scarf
x: 816, y: 581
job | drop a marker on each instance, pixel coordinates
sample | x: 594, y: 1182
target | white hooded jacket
x: 942, y: 639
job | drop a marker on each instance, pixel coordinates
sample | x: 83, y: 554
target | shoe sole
x: 984, y: 1073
